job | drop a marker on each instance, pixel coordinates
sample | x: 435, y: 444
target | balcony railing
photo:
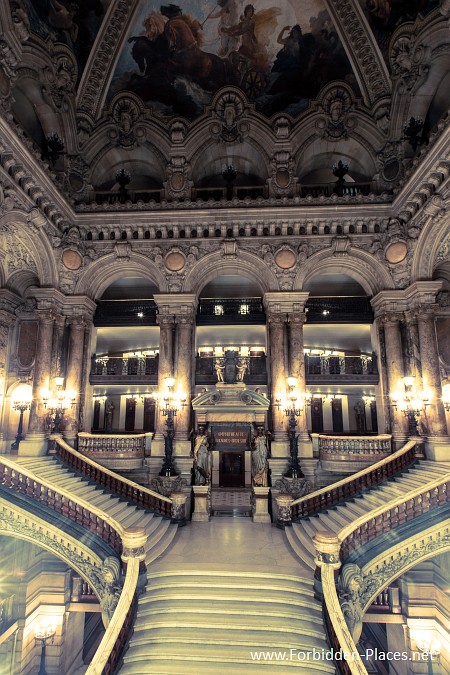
x: 329, y: 189
x: 134, y: 196
x: 205, y: 372
x: 118, y: 370
x: 329, y: 369
x: 355, y: 309
x: 230, y: 311
x: 125, y: 313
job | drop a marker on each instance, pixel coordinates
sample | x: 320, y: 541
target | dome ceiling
x: 175, y: 57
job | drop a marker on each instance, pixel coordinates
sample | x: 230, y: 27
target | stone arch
x: 27, y: 526
x: 244, y: 264
x: 359, y: 265
x: 20, y: 226
x: 21, y: 280
x: 104, y: 271
x: 433, y: 238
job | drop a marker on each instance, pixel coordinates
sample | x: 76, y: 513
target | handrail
x: 33, y: 488
x: 334, y: 549
x: 108, y: 652
x: 130, y: 546
x: 128, y: 489
x: 347, y: 487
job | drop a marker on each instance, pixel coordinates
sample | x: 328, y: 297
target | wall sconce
x: 21, y: 401
x: 292, y: 405
x: 411, y: 402
x: 429, y: 647
x: 367, y: 400
x: 44, y: 635
x: 170, y: 404
x: 57, y: 402
x: 446, y: 396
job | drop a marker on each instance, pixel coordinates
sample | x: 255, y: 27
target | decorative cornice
x: 369, y: 66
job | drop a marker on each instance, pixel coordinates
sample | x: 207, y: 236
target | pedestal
x: 437, y: 448
x: 34, y: 445
x: 178, y: 508
x: 260, y: 503
x: 284, y: 514
x: 201, y: 506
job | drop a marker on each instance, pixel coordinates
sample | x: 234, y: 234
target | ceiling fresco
x: 385, y: 16
x: 75, y: 24
x: 279, y: 54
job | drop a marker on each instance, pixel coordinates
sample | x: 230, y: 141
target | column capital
x: 9, y: 302
x: 285, y: 302
x: 79, y: 308
x: 391, y: 318
x: 297, y: 318
x: 176, y: 304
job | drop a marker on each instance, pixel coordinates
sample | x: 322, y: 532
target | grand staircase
x: 238, y: 602
x: 160, y: 531
x: 300, y: 534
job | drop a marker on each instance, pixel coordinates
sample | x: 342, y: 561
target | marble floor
x: 235, y: 502
x: 236, y: 543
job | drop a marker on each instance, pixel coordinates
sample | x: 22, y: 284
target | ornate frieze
x: 369, y: 66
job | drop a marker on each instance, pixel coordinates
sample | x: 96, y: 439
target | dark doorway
x: 316, y: 416
x: 96, y: 418
x: 336, y: 412
x: 374, y: 416
x: 232, y: 469
x: 130, y: 414
x: 149, y: 414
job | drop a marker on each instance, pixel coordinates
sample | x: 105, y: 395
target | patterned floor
x: 231, y: 502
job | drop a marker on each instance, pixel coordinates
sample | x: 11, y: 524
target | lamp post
x: 292, y: 406
x: 411, y: 402
x: 170, y: 404
x: 21, y: 401
x: 43, y: 635
x: 57, y: 402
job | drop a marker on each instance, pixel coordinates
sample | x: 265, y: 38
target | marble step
x: 174, y: 579
x: 158, y: 549
x: 265, y: 636
x: 300, y: 550
x: 226, y: 610
x: 196, y: 666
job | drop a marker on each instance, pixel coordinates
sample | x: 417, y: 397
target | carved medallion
x: 396, y: 252
x: 177, y: 181
x: 175, y: 261
x: 285, y: 258
x: 282, y: 178
x: 71, y: 259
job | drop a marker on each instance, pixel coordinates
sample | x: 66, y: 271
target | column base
x: 201, y: 506
x: 261, y: 505
x: 34, y: 445
x: 437, y: 448
x: 399, y: 440
x: 305, y: 448
x: 280, y: 448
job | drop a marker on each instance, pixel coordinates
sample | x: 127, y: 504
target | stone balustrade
x: 354, y: 445
x: 349, y: 595
x: 114, y: 451
x: 349, y: 487
x: 111, y: 369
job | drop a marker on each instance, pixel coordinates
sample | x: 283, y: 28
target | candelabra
x: 292, y: 406
x: 170, y: 403
x: 57, y: 402
x: 21, y: 401
x: 430, y: 649
x: 411, y: 402
x: 43, y: 635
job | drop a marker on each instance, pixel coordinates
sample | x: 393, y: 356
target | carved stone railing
x: 114, y: 451
x: 132, y: 370
x: 346, y: 598
x: 256, y: 373
x: 353, y: 485
x: 348, y: 454
x: 122, y: 487
x: 328, y: 189
x: 328, y: 369
x: 125, y: 313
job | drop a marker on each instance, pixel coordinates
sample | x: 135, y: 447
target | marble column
x: 431, y: 377
x: 6, y: 321
x: 57, y: 367
x: 414, y: 347
x: 297, y: 365
x: 185, y: 358
x: 165, y: 362
x: 276, y: 323
x: 41, y: 382
x: 74, y: 374
x: 395, y: 373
